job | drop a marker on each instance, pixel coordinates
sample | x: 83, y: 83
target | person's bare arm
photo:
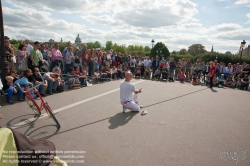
x: 138, y: 91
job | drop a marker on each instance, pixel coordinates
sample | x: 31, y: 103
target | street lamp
x: 242, y: 45
x: 153, y: 41
x: 3, y: 62
x: 159, y: 53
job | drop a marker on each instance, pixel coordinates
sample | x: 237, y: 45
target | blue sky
x: 178, y: 24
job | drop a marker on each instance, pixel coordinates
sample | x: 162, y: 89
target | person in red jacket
x: 212, y: 73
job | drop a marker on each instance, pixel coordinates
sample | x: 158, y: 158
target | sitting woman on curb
x: 9, y: 89
x: 24, y: 82
x: 36, y: 79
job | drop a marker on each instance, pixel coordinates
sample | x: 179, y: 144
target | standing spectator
x: 246, y: 70
x: 132, y: 65
x: 155, y: 64
x: 9, y: 53
x: 172, y: 66
x: 21, y: 54
x: 212, y: 73
x: 229, y: 70
x: 217, y: 66
x: 65, y: 51
x: 91, y: 62
x: 69, y: 57
x: 188, y: 70
x: 35, y: 54
x: 45, y: 53
x: 56, y: 57
x: 29, y: 47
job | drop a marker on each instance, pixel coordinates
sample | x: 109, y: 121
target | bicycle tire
x: 51, y: 113
x: 33, y: 105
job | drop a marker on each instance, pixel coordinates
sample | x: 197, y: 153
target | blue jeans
x: 41, y: 89
x: 67, y: 67
x: 82, y: 80
x: 90, y: 68
x: 52, y: 85
x: 10, y: 92
x: 171, y: 73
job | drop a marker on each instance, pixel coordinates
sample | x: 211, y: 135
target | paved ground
x: 185, y: 125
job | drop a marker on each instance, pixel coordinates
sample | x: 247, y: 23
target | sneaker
x: 54, y: 91
x: 10, y: 102
x: 20, y: 99
x: 49, y: 93
x: 144, y: 112
x: 124, y: 109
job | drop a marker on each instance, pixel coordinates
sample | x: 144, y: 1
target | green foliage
x: 160, y: 47
x: 96, y: 44
x: 62, y: 46
x: 119, y: 48
x: 179, y: 56
x: 196, y: 49
x: 109, y: 45
x: 183, y: 51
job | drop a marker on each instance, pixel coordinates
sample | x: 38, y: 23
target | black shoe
x: 49, y: 93
x: 10, y: 102
x: 43, y: 95
x: 54, y: 91
x: 20, y: 99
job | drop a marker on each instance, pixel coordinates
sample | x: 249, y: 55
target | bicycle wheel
x: 51, y: 113
x: 33, y: 105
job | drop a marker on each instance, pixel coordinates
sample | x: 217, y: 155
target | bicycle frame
x: 28, y: 94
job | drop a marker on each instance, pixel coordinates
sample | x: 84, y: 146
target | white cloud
x: 240, y: 2
x: 226, y: 27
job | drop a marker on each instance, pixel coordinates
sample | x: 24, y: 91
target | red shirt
x: 212, y: 71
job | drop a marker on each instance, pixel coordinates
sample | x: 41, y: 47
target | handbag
x: 40, y: 62
x: 23, y: 65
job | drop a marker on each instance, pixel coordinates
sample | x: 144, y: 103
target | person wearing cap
x: 35, y: 54
x: 128, y: 94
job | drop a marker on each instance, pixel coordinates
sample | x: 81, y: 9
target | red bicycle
x: 35, y: 107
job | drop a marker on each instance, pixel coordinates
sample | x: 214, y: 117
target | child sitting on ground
x: 114, y: 72
x: 10, y: 83
x: 97, y: 76
x: 194, y: 79
x: 138, y: 72
x: 182, y: 77
x: 221, y: 80
x: 179, y: 73
x: 70, y: 78
x: 147, y: 73
x: 238, y: 83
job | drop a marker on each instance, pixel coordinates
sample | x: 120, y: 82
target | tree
x: 109, y: 45
x: 97, y: 44
x: 183, y: 51
x: 160, y: 47
x: 196, y: 49
x: 90, y: 45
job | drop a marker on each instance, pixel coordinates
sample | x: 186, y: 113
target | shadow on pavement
x: 174, y: 98
x: 121, y: 119
x: 213, y: 90
x: 24, y: 118
x: 44, y: 132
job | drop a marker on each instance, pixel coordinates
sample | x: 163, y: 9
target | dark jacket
x: 155, y: 64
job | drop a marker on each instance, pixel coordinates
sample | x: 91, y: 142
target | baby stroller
x: 45, y: 67
x: 138, y: 72
x: 32, y: 152
x: 164, y: 74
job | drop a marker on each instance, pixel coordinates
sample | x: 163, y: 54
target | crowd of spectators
x: 74, y: 66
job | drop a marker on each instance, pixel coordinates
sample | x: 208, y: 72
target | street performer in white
x: 128, y: 94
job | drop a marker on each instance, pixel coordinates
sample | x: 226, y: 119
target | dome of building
x: 78, y: 40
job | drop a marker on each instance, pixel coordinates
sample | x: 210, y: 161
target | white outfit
x: 29, y: 48
x: 127, y: 97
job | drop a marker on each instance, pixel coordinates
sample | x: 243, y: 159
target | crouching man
x: 128, y: 94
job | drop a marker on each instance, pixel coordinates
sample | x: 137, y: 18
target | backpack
x: 59, y: 87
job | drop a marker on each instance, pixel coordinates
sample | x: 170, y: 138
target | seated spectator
x: 9, y: 90
x: 157, y: 74
x: 70, y: 78
x: 238, y: 83
x: 114, y: 72
x: 179, y: 73
x: 36, y: 79
x: 138, y: 72
x: 120, y: 71
x: 82, y: 76
x: 194, y: 79
x: 97, y: 76
x: 229, y: 82
x: 52, y: 79
x: 24, y: 83
x: 182, y: 77
x: 245, y: 82
x: 221, y: 80
x: 86, y: 79
x: 106, y: 70
x: 147, y: 73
